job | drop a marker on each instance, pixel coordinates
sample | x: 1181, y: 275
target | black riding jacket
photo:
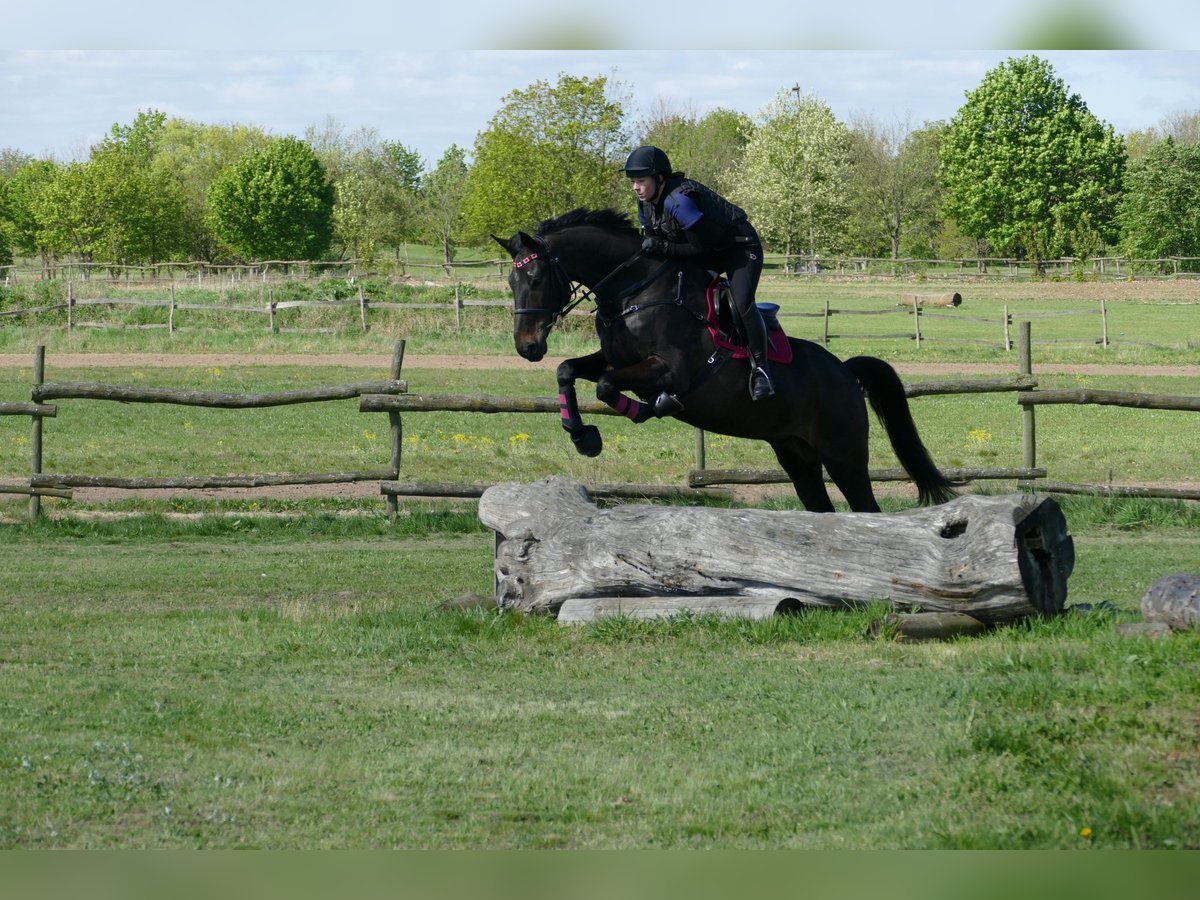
x: 696, y: 221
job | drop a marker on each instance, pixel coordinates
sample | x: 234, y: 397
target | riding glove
x: 656, y: 246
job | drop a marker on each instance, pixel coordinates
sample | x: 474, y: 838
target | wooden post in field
x: 1028, y: 430
x: 699, y: 453
x: 458, y: 307
x: 1007, y: 333
x: 362, y: 309
x: 70, y: 305
x: 1103, y: 324
x: 825, y: 322
x: 917, y: 322
x: 271, y: 309
x: 171, y: 314
x: 35, y: 438
x: 397, y: 430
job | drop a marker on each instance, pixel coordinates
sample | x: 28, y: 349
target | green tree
x: 20, y: 190
x: 274, y: 203
x: 548, y: 149
x: 794, y: 178
x: 442, y: 192
x: 193, y: 155
x: 71, y: 212
x: 708, y: 148
x: 143, y: 207
x: 375, y: 187
x: 1160, y: 213
x: 894, y: 191
x: 1027, y: 166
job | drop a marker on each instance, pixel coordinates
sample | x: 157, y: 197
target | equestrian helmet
x: 647, y: 161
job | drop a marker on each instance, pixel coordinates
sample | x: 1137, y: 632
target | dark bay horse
x: 654, y: 344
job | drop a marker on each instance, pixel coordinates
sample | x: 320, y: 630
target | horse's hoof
x: 588, y: 441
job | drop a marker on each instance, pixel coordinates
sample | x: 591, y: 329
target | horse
x: 653, y: 319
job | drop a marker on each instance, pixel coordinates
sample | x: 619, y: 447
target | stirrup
x: 667, y: 405
x: 761, y: 385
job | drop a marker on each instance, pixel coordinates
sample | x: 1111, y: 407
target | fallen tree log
x: 953, y: 298
x: 996, y: 559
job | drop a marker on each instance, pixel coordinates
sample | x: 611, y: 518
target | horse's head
x: 540, y: 291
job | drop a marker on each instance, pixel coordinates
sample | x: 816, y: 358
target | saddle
x: 720, y: 323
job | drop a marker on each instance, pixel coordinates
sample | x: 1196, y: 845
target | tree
x: 548, y: 149
x: 1160, y: 213
x: 274, y: 203
x: 71, y: 211
x: 894, y: 191
x: 1028, y: 167
x: 708, y: 148
x: 442, y: 193
x: 794, y: 176
x: 193, y: 155
x: 143, y: 207
x: 20, y: 190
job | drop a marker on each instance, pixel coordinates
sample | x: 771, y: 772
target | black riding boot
x: 761, y: 385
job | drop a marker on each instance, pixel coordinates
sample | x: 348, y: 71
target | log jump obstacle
x: 991, y: 559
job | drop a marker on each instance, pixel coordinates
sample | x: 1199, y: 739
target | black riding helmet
x: 647, y: 161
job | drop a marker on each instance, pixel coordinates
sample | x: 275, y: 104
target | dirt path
x: 415, y: 361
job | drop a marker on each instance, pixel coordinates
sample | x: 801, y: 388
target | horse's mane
x: 608, y: 219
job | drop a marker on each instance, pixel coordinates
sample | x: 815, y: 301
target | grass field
x: 276, y: 673
x: 288, y: 682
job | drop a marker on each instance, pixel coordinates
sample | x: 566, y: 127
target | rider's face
x: 645, y: 187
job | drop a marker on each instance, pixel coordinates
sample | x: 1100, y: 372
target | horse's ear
x: 507, y: 245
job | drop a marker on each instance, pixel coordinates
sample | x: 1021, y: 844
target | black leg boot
x: 761, y: 385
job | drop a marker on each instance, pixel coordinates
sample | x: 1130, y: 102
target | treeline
x: 1023, y: 170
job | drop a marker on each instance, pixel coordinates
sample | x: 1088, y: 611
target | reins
x: 582, y: 292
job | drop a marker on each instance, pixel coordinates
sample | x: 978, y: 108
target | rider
x: 683, y: 218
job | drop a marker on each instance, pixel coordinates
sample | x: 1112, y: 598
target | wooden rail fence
x: 392, y: 398
x: 913, y: 307
x: 60, y: 484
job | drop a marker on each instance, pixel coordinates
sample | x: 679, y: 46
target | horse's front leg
x: 586, y: 438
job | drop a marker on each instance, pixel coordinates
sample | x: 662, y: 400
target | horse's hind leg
x: 804, y: 468
x: 854, y: 481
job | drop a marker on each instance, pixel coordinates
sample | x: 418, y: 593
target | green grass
x: 271, y: 673
x: 286, y: 681
x: 1160, y: 313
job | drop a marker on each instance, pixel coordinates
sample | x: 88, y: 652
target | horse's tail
x: 885, y: 392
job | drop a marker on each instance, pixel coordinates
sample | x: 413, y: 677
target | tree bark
x: 996, y: 559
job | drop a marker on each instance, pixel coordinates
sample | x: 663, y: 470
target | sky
x: 430, y: 77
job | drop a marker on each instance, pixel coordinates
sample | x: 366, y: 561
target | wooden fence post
x: 699, y: 452
x: 917, y: 321
x: 458, y: 308
x: 171, y: 314
x: 397, y: 431
x: 271, y: 309
x: 362, y: 308
x: 35, y: 438
x: 1028, y: 429
x: 1103, y: 324
x: 70, y: 305
x: 825, y: 321
x: 1007, y: 333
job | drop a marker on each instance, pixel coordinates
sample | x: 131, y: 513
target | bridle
x: 580, y: 293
